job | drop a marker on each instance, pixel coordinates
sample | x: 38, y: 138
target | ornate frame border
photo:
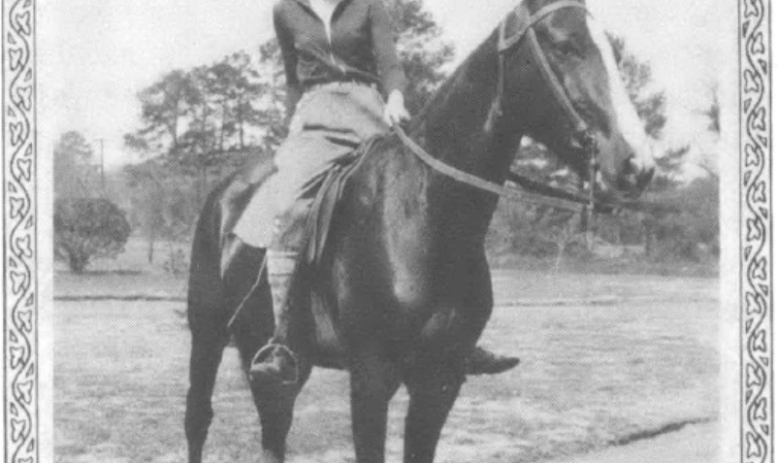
x: 20, y: 234
x: 756, y: 238
x: 21, y: 270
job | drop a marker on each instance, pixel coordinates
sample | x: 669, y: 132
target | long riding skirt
x: 331, y: 120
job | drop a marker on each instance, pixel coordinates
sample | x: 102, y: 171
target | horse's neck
x: 453, y: 129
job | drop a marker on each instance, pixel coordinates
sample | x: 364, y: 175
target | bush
x: 691, y: 233
x: 527, y: 230
x: 86, y: 228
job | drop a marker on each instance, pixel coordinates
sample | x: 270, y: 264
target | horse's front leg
x: 435, y: 378
x: 274, y: 401
x: 275, y: 404
x: 433, y: 387
x: 373, y: 383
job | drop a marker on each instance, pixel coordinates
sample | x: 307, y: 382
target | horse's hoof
x: 274, y: 364
x: 482, y: 362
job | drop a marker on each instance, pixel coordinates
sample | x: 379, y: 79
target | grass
x: 591, y: 374
x: 130, y: 274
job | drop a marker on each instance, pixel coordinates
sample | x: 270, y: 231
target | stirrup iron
x: 268, y: 349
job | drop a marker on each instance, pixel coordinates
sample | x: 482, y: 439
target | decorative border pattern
x: 20, y: 336
x: 20, y: 343
x: 757, y: 426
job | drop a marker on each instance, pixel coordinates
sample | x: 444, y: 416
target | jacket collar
x: 307, y: 3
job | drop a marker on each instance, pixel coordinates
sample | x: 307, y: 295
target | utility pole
x: 102, y: 163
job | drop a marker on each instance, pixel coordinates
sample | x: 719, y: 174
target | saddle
x: 328, y: 192
x: 325, y: 191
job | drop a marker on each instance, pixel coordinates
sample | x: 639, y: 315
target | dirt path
x: 692, y: 444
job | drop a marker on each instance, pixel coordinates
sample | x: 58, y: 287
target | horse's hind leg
x: 432, y: 394
x: 207, y: 348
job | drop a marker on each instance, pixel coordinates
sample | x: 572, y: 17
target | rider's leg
x: 276, y: 361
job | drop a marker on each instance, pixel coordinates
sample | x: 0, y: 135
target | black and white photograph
x: 519, y: 231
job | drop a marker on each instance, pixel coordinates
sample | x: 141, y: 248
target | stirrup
x: 267, y: 350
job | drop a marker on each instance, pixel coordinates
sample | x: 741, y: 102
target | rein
x: 482, y: 184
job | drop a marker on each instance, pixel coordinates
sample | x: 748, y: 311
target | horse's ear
x: 516, y: 23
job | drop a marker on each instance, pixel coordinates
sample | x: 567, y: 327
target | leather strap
x: 526, y: 20
x: 556, y: 87
x: 481, y: 184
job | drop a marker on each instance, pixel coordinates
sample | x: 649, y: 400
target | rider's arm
x: 390, y: 70
x: 294, y: 89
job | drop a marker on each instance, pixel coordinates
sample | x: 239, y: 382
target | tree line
x: 197, y: 125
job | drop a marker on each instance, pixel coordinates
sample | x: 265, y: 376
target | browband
x: 526, y: 19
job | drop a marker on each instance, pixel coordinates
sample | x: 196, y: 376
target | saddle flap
x: 324, y: 206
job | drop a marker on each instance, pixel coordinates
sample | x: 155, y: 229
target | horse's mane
x: 462, y: 75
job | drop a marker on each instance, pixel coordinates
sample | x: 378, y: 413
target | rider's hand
x: 395, y: 111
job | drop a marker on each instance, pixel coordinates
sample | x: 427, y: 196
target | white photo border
x: 22, y: 269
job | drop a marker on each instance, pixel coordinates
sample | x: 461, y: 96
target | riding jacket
x: 359, y: 48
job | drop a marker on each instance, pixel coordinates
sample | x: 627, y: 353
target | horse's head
x: 553, y: 45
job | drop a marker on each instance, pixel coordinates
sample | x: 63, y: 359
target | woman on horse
x: 337, y: 55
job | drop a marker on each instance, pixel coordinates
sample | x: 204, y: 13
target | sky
x: 95, y: 56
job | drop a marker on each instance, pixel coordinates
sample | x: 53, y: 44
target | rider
x: 337, y: 54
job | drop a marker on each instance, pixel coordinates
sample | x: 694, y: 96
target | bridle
x: 526, y: 21
x: 548, y: 196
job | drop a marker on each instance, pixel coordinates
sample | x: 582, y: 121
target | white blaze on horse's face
x: 626, y: 122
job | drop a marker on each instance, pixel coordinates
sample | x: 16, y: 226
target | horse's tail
x: 205, y: 296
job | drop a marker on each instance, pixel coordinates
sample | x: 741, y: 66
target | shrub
x: 691, y: 233
x: 86, y: 228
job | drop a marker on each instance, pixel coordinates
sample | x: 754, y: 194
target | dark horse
x: 404, y: 289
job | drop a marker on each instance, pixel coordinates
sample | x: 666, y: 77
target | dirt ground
x: 605, y: 360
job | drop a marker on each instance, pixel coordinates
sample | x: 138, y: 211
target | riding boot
x: 275, y: 362
x: 482, y: 362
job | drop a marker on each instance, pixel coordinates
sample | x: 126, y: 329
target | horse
x: 403, y: 290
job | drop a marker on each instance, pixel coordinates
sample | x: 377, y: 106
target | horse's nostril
x: 644, y: 178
